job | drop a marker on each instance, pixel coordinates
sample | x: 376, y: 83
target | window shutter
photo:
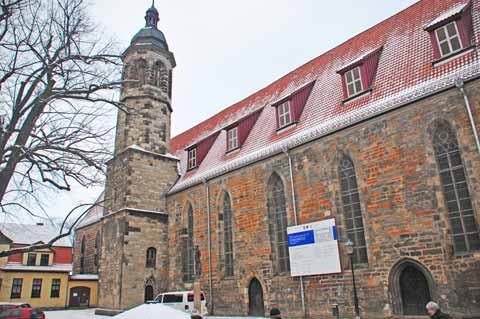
x: 245, y: 126
x: 369, y: 67
x: 204, y: 146
x: 299, y: 100
x: 436, y: 49
x: 465, y: 26
x: 344, y: 86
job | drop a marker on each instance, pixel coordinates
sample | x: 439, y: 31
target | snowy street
x: 89, y: 314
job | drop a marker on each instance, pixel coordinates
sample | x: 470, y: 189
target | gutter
x: 460, y: 84
x: 210, y: 292
x: 295, y: 214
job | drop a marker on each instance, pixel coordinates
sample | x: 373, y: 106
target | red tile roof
x: 405, y: 72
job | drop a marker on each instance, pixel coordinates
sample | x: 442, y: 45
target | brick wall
x: 402, y: 203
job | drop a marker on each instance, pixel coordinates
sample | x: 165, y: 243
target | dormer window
x: 192, y: 158
x: 31, y: 259
x: 232, y: 139
x: 448, y: 39
x: 358, y: 75
x: 354, y: 81
x: 289, y: 108
x: 451, y: 32
x: 284, y: 114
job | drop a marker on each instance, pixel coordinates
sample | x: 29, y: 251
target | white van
x: 182, y: 300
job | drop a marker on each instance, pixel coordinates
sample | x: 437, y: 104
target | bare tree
x: 58, y: 80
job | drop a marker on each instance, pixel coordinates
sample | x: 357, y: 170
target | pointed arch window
x: 151, y: 259
x: 82, y: 256
x: 97, y: 250
x: 141, y: 71
x: 352, y: 210
x: 459, y: 206
x: 160, y: 78
x: 189, y: 248
x: 278, y: 222
x: 228, y: 234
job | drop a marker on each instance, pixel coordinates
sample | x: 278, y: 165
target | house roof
x: 24, y: 234
x: 54, y: 268
x: 94, y: 214
x: 405, y: 73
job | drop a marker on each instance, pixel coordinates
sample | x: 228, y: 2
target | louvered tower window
x: 352, y: 210
x: 459, y: 206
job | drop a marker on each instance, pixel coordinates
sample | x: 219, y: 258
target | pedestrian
x: 275, y: 314
x: 434, y: 311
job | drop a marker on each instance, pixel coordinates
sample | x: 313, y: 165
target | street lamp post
x: 351, y: 252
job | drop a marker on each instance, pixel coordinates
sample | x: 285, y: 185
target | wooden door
x: 148, y: 293
x: 256, y: 307
x: 79, y: 297
x: 415, y: 291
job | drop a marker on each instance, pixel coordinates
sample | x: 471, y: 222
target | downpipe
x: 295, y: 216
x: 209, y: 236
x: 460, y: 84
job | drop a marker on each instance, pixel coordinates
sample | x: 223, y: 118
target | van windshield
x: 172, y: 298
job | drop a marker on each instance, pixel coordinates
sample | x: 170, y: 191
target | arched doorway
x: 415, y: 291
x: 256, y: 306
x: 148, y: 293
x: 79, y: 297
x: 411, y: 286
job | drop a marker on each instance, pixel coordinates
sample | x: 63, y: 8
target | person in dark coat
x: 434, y: 311
x: 275, y: 314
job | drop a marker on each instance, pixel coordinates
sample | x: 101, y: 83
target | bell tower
x: 147, y: 90
x: 134, y: 256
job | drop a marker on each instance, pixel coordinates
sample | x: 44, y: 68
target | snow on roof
x: 84, y: 277
x: 53, y: 268
x: 141, y: 149
x: 360, y: 58
x: 94, y: 214
x: 25, y: 234
x: 153, y: 311
x: 447, y: 14
x: 405, y: 73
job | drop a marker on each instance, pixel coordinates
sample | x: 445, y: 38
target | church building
x: 380, y: 134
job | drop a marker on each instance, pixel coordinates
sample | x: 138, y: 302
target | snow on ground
x: 90, y: 314
x: 73, y: 314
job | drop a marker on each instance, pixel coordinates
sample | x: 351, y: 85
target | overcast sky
x: 228, y: 49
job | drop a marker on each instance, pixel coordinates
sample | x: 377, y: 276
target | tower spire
x: 152, y: 17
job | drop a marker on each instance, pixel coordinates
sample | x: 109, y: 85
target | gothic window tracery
x: 189, y: 248
x: 352, y: 211
x: 456, y: 194
x: 228, y: 234
x: 82, y: 256
x: 278, y: 222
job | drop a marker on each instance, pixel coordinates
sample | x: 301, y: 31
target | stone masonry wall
x: 148, y: 121
x: 144, y: 231
x: 402, y: 203
x: 114, y: 228
x: 139, y: 180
